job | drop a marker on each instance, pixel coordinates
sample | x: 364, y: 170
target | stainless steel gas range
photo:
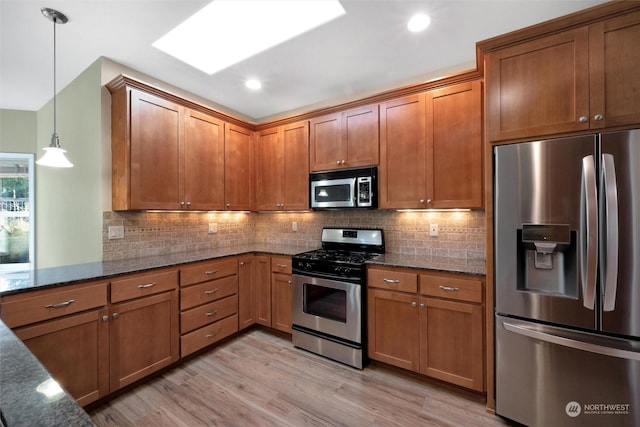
x: 329, y: 294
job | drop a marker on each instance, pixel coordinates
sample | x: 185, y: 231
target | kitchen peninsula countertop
x: 24, y: 281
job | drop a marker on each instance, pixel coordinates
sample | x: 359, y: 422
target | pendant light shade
x: 54, y: 154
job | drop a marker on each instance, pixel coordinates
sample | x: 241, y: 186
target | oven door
x: 328, y: 306
x: 333, y: 193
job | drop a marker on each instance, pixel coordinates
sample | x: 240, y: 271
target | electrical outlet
x: 213, y: 228
x: 294, y: 226
x: 116, y: 232
x: 433, y: 230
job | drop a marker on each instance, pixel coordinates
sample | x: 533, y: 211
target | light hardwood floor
x: 260, y: 379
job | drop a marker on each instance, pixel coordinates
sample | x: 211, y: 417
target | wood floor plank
x: 260, y: 379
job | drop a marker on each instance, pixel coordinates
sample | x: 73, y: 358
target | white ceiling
x: 361, y: 53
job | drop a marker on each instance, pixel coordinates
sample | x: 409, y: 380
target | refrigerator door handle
x: 570, y: 342
x: 610, y: 270
x: 589, y: 232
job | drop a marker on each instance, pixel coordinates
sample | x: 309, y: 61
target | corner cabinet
x: 345, y: 139
x: 442, y: 316
x: 431, y: 149
x: 273, y: 292
x: 576, y: 80
x: 168, y: 156
x: 282, y: 172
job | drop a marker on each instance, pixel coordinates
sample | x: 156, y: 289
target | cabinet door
x: 296, y: 166
x: 247, y: 285
x: 281, y: 302
x: 451, y: 336
x: 360, y: 136
x: 238, y: 166
x: 402, y: 175
x: 614, y: 71
x: 155, y: 135
x: 539, y: 87
x: 263, y: 290
x: 393, y: 328
x: 203, y: 162
x: 75, y: 350
x: 270, y: 169
x: 144, y: 337
x: 454, y: 146
x: 326, y: 147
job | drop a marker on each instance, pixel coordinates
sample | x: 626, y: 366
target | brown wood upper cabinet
x: 345, y: 139
x: 579, y: 79
x: 431, y: 149
x: 164, y: 155
x: 282, y: 174
x: 238, y: 168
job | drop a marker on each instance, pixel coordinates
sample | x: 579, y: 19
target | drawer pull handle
x: 148, y: 285
x: 213, y: 334
x: 212, y: 291
x: 60, y: 304
x: 448, y: 288
x: 391, y: 280
x: 210, y: 272
x: 212, y: 313
x: 281, y: 265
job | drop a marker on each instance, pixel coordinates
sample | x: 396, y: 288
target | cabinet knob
x: 422, y: 306
x: 181, y: 203
x: 241, y: 263
x: 343, y: 162
x: 598, y: 117
x: 289, y: 281
x: 188, y: 203
x: 105, y: 318
x: 337, y: 162
x: 428, y: 201
x: 228, y: 205
x: 414, y: 304
x: 422, y: 201
x: 583, y: 119
x: 115, y: 315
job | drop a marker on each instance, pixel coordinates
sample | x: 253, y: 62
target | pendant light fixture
x: 54, y: 154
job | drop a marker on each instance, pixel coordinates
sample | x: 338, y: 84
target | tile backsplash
x: 461, y: 234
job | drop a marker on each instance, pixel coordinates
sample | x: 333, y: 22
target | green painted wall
x: 18, y: 133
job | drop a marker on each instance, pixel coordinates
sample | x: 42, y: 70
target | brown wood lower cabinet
x: 247, y: 285
x: 75, y: 351
x: 436, y: 328
x: 273, y: 302
x: 208, y: 303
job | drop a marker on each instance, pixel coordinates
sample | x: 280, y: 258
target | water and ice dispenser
x: 547, y: 259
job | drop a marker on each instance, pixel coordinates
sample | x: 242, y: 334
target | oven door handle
x: 300, y: 278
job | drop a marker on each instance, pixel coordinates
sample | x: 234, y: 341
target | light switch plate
x: 116, y: 232
x: 294, y: 226
x: 213, y: 228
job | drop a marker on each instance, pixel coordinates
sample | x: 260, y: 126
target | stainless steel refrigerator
x: 567, y: 280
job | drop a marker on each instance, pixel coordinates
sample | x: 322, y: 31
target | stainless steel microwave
x: 350, y: 188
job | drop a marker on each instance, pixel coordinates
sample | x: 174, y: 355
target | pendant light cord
x: 54, y: 77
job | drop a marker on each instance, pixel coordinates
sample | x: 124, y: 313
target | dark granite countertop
x: 450, y: 265
x: 24, y: 281
x: 20, y: 401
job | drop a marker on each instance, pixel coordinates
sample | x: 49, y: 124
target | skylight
x: 226, y: 32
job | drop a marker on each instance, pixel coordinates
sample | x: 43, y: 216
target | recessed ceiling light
x: 253, y: 84
x: 226, y: 32
x: 418, y: 22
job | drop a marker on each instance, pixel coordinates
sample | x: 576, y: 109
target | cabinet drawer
x: 393, y: 280
x: 200, y: 338
x: 208, y: 313
x: 142, y: 285
x: 281, y: 264
x: 456, y: 288
x: 208, y: 292
x: 26, y: 309
x: 208, y: 271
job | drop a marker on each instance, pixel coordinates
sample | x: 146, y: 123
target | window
x: 16, y: 212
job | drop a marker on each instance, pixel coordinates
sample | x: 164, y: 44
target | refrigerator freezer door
x: 541, y: 186
x: 621, y: 297
x: 548, y: 376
